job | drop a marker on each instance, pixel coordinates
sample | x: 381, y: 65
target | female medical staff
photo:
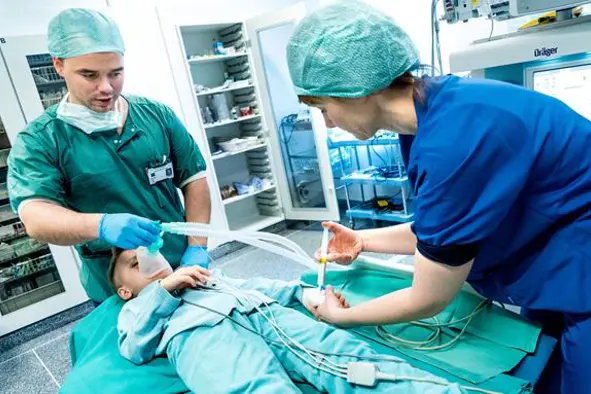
x: 88, y: 170
x: 501, y: 176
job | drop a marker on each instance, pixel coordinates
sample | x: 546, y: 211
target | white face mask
x: 88, y: 120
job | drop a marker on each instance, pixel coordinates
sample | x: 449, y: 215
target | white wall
x: 30, y: 17
x: 186, y: 12
x: 148, y: 69
x: 414, y: 17
x: 156, y: 64
x: 138, y: 25
x: 147, y: 64
x: 149, y: 56
x: 273, y: 43
x: 148, y: 59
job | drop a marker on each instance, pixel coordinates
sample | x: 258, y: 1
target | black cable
x: 492, y: 20
x: 387, y: 170
x: 287, y: 120
x: 435, y: 44
x: 433, y: 2
x: 373, y: 148
x: 437, y: 41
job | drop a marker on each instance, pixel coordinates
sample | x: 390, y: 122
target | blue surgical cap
x: 78, y: 31
x: 348, y: 49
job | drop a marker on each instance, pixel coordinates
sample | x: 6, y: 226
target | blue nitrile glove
x: 128, y: 231
x: 195, y: 255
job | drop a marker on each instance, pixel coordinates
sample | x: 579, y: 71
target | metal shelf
x: 228, y: 154
x: 3, y: 193
x: 309, y: 154
x: 373, y: 178
x: 38, y: 272
x: 14, y: 236
x: 366, y: 174
x: 50, y: 85
x: 392, y: 216
x: 216, y: 91
x: 232, y: 121
x: 7, y: 216
x: 39, y: 290
x: 30, y: 254
x: 4, y: 157
x: 371, y: 142
x: 41, y: 60
x: 214, y: 59
x: 12, y: 231
x: 244, y: 196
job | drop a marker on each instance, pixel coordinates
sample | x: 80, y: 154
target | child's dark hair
x: 116, y: 253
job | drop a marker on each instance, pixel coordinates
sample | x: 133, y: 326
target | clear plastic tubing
x: 271, y: 242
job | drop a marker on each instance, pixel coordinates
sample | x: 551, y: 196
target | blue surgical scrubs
x: 502, y: 174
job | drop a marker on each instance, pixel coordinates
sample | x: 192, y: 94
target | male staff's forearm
x: 54, y: 224
x: 197, y: 206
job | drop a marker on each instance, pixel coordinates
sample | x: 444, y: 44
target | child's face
x: 128, y: 278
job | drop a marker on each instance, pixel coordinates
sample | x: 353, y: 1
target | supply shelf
x: 365, y: 174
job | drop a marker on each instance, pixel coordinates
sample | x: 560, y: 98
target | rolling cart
x: 366, y: 171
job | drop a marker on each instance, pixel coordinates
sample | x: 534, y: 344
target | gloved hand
x: 195, y: 255
x: 128, y: 231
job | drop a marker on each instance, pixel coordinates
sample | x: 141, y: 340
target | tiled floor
x: 40, y: 366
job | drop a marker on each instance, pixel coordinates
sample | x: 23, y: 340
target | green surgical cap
x: 77, y: 31
x: 348, y: 49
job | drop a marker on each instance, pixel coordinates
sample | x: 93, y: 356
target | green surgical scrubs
x: 107, y: 172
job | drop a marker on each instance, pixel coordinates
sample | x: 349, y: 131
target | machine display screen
x: 572, y: 85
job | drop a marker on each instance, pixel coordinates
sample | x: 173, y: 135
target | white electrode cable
x: 271, y: 242
x: 423, y: 346
x: 316, y: 359
x: 341, y: 369
x: 393, y: 378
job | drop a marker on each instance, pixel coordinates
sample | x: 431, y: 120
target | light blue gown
x: 213, y: 354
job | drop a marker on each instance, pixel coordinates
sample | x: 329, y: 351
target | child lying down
x: 218, y: 334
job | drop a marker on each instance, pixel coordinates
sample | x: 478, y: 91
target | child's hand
x: 342, y: 300
x: 332, y: 310
x: 185, y: 277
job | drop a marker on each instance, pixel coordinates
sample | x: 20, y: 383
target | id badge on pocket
x: 159, y: 173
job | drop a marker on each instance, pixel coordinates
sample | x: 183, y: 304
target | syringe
x: 323, y: 253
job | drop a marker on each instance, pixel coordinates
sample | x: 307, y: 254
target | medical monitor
x: 566, y: 81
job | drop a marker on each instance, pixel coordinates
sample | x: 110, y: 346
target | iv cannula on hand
x: 323, y: 254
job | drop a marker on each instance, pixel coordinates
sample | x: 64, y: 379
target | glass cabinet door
x: 28, y: 273
x: 50, y: 86
x: 37, y: 280
x: 298, y: 134
x: 32, y: 74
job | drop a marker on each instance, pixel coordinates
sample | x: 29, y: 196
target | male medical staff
x: 501, y: 177
x: 82, y: 172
